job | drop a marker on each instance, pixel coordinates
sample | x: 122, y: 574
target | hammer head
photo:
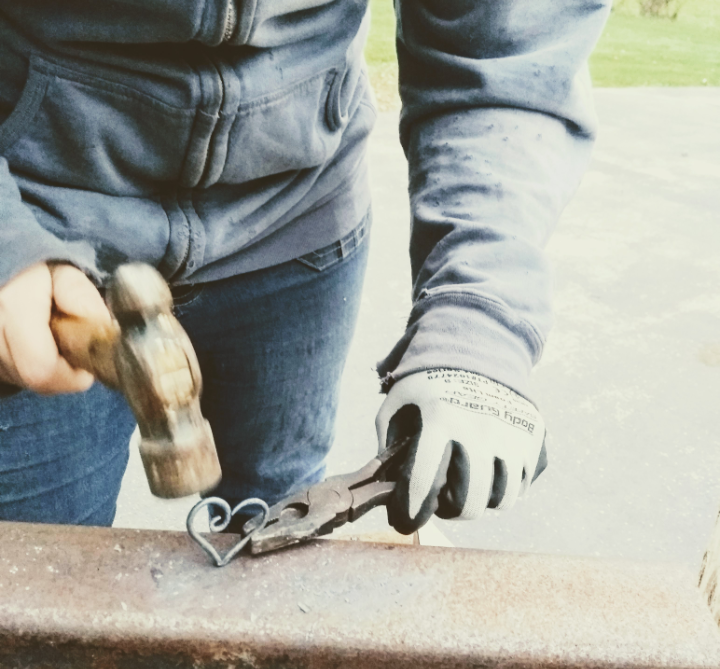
x: 159, y: 374
x: 185, y: 466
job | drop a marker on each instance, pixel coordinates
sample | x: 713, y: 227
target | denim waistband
x: 328, y: 255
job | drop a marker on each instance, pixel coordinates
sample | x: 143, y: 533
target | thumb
x: 393, y: 402
x: 75, y: 295
x: 421, y: 477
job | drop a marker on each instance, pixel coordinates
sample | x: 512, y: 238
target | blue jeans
x: 272, y: 347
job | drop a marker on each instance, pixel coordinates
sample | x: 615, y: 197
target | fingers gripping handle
x: 149, y: 357
x: 88, y: 344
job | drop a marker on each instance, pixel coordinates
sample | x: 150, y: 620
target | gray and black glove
x: 476, y: 445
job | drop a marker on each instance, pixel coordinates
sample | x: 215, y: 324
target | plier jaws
x: 323, y: 507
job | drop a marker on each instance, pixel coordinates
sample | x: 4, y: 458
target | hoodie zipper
x: 230, y: 22
x: 215, y: 71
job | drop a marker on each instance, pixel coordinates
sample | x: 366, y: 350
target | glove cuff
x: 459, y: 330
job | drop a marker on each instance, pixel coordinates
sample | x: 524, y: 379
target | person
x: 224, y: 142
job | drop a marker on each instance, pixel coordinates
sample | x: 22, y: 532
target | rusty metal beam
x: 95, y: 598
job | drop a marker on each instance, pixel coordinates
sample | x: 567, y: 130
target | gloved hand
x: 477, y: 444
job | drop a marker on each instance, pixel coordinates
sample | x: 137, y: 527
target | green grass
x: 380, y: 47
x: 380, y: 54
x: 634, y: 50
x: 646, y: 51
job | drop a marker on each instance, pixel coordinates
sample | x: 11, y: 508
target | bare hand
x: 29, y: 356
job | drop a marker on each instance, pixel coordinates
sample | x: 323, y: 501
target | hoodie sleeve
x: 23, y: 240
x: 497, y: 125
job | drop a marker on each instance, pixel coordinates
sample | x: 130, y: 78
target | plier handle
x: 322, y: 507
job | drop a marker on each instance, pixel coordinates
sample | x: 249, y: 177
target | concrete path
x: 630, y: 380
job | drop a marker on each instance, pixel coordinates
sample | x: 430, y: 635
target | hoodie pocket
x: 296, y: 128
x: 77, y: 130
x: 25, y: 110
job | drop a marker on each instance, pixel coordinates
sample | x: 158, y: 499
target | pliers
x: 320, y: 508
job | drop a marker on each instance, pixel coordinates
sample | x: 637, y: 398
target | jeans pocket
x: 332, y: 254
x: 184, y: 296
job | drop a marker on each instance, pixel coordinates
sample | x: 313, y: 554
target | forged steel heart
x: 220, y: 522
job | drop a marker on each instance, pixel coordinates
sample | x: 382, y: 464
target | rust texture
x: 709, y: 572
x: 120, y: 599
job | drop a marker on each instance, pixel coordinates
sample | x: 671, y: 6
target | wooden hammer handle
x: 87, y: 344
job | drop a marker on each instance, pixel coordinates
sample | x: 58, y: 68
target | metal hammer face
x: 149, y: 357
x: 159, y: 374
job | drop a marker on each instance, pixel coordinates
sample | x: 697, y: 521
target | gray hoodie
x: 212, y: 137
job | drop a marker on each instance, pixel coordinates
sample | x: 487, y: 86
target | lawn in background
x: 639, y: 50
x: 380, y: 54
x: 634, y: 50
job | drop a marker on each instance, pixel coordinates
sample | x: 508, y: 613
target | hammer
x: 148, y: 356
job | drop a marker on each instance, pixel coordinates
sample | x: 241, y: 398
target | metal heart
x: 219, y: 523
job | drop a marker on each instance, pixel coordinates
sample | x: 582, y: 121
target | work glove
x: 475, y: 444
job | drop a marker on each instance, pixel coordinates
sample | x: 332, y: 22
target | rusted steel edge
x: 710, y: 571
x: 102, y: 598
